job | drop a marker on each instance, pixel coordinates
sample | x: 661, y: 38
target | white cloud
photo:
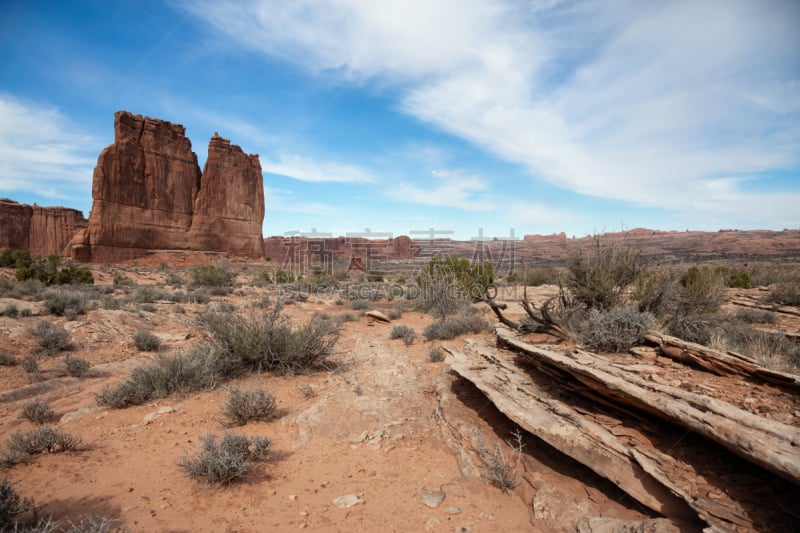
x: 314, y: 170
x: 285, y: 201
x: 649, y: 103
x: 450, y: 188
x: 41, y: 151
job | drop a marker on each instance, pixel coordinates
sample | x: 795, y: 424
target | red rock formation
x: 229, y: 208
x: 147, y: 189
x: 42, y: 230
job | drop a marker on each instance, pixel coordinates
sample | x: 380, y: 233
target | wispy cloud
x: 649, y: 103
x: 449, y: 188
x: 41, y: 152
x: 286, y: 201
x: 314, y: 170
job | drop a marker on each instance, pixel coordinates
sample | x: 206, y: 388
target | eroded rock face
x: 149, y: 195
x: 229, y: 208
x: 42, y: 230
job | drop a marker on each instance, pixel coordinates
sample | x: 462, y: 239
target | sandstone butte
x: 148, y: 195
x: 42, y: 230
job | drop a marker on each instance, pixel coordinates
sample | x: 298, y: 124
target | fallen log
x: 767, y: 443
x: 720, y: 363
x: 535, y: 410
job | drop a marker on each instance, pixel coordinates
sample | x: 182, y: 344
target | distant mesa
x: 42, y: 230
x: 148, y: 195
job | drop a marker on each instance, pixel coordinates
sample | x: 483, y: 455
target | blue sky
x: 536, y: 116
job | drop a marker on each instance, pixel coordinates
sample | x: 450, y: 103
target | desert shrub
x: 179, y: 309
x: 266, y: 340
x: 360, y: 305
x: 182, y: 372
x: 15, y: 258
x: 76, y: 366
x: 211, y: 276
x: 11, y: 310
x: 755, y: 316
x: 11, y: 506
x: 448, y: 284
x: 242, y: 407
x: 121, y: 280
x: 175, y: 280
x: 786, y: 292
x: 615, y: 330
x: 435, y: 354
x: 150, y: 293
x: 197, y: 297
x: 6, y: 359
x: 394, y: 313
x: 146, y: 341
x: 656, y: 292
x: 225, y: 461
x: 95, y: 524
x: 541, y: 276
x: 772, y: 350
x: 47, y: 271
x: 375, y: 276
x: 37, y: 411
x: 42, y: 439
x: 401, y: 331
x: 597, y: 278
x: 499, y: 469
x: 282, y: 276
x: 452, y: 326
x: 700, y: 292
x: 30, y: 364
x: 347, y: 317
x: 50, y: 337
x: 65, y: 302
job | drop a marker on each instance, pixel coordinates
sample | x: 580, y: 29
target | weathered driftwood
x: 767, y: 443
x: 561, y: 426
x: 541, y: 319
x: 786, y: 309
x: 720, y: 363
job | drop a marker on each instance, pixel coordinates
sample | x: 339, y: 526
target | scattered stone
x: 432, y: 523
x: 347, y: 501
x: 432, y: 499
x: 360, y: 438
x: 453, y: 510
x: 377, y: 315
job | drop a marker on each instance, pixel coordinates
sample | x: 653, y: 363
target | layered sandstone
x: 149, y: 195
x: 42, y: 230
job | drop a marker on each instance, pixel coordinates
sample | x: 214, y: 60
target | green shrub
x: 15, y: 259
x: 401, y: 331
x: 50, y: 337
x: 755, y: 316
x: 447, y: 284
x: 76, y: 366
x: 701, y: 292
x: 375, y: 276
x: 30, y: 364
x: 542, y: 276
x: 597, y: 278
x: 453, y: 326
x: 242, y: 407
x: 227, y: 460
x: 615, y: 330
x: 48, y: 272
x: 210, y: 276
x: 282, y: 276
x: 38, y: 411
x: 146, y: 341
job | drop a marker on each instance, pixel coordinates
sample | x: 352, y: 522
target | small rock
x: 293, y: 497
x: 360, y: 438
x: 432, y: 523
x: 453, y: 510
x: 432, y: 499
x: 463, y: 529
x: 303, y: 513
x: 347, y: 501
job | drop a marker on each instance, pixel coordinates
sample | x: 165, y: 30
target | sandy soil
x: 387, y: 426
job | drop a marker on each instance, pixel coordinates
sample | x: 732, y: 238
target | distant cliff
x: 42, y: 230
